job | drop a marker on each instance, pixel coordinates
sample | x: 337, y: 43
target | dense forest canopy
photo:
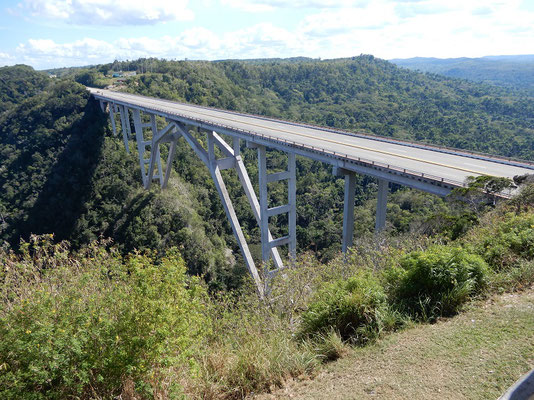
x: 19, y: 82
x: 62, y: 172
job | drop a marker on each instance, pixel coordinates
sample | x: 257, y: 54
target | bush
x: 504, y: 244
x: 84, y: 326
x: 436, y: 282
x: 355, y: 308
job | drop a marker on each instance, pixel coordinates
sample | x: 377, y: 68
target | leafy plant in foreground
x: 356, y: 308
x: 83, y: 326
x: 505, y: 242
x: 436, y: 282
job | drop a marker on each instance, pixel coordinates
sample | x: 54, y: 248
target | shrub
x: 355, y: 308
x: 503, y: 244
x: 83, y: 326
x: 436, y: 282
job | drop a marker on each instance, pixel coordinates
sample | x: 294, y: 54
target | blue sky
x: 55, y: 33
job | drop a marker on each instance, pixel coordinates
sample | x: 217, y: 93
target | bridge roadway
x: 444, y: 168
x: 431, y: 169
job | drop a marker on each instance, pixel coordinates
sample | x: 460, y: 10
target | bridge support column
x: 267, y: 242
x: 147, y: 175
x: 233, y: 160
x: 253, y: 201
x: 292, y: 201
x: 381, y: 205
x: 112, y: 118
x: 215, y: 171
x: 264, y: 219
x: 170, y: 157
x: 125, y: 122
x: 141, y: 147
x: 155, y: 156
x: 348, y: 211
x: 348, y: 206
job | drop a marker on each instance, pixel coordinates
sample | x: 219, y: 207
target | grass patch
x: 475, y: 355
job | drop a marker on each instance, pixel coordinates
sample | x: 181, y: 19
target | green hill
x: 511, y: 71
x: 19, y: 82
x: 358, y: 94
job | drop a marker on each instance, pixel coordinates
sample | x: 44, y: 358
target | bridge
x: 428, y: 168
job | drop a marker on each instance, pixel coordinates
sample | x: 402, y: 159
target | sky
x: 60, y: 33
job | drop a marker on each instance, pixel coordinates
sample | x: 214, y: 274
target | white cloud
x: 345, y: 20
x: 6, y: 59
x: 108, y: 12
x: 460, y: 29
x: 442, y: 28
x: 270, y: 5
x: 262, y: 40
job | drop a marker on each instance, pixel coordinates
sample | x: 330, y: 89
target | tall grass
x: 94, y: 324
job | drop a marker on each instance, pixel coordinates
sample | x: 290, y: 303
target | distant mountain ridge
x: 516, y: 71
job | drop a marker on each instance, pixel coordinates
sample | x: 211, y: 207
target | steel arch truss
x: 151, y: 169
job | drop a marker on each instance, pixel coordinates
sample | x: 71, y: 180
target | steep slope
x: 60, y: 174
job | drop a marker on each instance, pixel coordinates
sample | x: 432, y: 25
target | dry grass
x: 476, y: 355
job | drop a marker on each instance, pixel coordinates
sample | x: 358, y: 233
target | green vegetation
x: 505, y: 244
x: 103, y: 324
x: 77, y: 326
x: 355, y: 308
x: 18, y: 83
x: 437, y: 281
x: 164, y: 308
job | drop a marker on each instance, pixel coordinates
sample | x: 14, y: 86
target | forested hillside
x: 63, y: 173
x: 363, y: 93
x: 18, y: 83
x: 148, y: 297
x: 515, y: 72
